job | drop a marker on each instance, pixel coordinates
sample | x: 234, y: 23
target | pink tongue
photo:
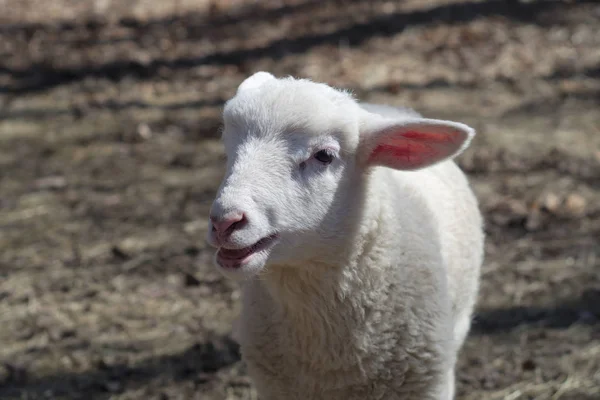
x: 235, y: 254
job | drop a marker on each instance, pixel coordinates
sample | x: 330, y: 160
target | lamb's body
x: 383, y: 315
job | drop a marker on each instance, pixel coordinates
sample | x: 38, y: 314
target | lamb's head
x: 297, y: 153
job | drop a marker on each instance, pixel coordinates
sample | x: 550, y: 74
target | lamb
x: 356, y: 239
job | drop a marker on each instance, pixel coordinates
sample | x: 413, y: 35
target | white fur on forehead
x: 288, y: 104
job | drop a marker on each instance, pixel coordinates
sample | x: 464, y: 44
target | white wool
x: 366, y: 281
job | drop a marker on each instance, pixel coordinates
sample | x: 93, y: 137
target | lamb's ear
x: 255, y: 80
x: 414, y: 143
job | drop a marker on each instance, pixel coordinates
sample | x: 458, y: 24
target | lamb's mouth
x: 236, y: 257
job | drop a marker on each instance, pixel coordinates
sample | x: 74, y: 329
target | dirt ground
x: 109, y: 158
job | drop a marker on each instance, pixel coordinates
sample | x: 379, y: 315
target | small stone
x: 144, y: 131
x: 551, y: 202
x: 575, y: 204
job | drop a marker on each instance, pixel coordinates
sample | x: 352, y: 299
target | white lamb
x: 359, y: 266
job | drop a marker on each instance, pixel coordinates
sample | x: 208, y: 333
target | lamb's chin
x: 247, y: 269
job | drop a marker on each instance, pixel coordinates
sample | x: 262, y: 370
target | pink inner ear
x: 412, y: 149
x: 432, y: 137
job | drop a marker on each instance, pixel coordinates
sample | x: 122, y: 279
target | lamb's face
x: 290, y: 148
x: 296, y: 153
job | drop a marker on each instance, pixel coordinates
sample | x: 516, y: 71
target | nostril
x: 237, y: 224
x: 227, y: 224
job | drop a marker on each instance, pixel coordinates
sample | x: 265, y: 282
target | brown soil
x: 109, y: 158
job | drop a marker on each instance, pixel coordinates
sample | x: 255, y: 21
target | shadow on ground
x: 194, y: 364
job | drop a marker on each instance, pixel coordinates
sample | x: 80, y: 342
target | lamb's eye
x: 324, y: 156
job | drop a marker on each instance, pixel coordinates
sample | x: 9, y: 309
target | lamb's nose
x: 224, y: 226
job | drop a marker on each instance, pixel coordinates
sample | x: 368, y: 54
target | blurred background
x: 110, y: 156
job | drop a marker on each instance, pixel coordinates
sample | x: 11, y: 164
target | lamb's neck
x: 318, y: 289
x: 327, y: 293
x: 317, y: 314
